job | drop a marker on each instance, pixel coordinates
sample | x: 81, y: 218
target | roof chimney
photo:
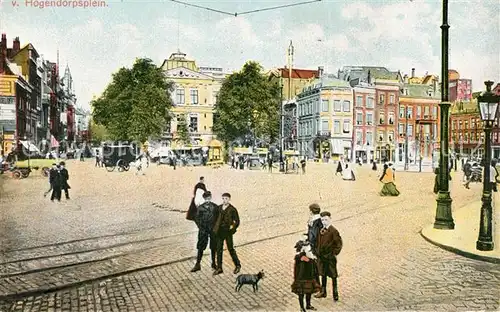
x: 405, y: 78
x: 16, y: 45
x: 3, y: 52
x: 413, y: 73
x: 320, y: 71
x: 369, y: 76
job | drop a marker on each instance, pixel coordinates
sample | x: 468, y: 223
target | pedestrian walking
x: 389, y: 188
x: 348, y: 173
x: 305, y: 275
x: 139, y: 164
x: 328, y: 247
x: 205, y: 220
x: 339, y: 168
x: 303, y: 165
x: 82, y: 154
x: 64, y: 179
x: 97, y: 159
x: 226, y: 225
x: 374, y: 165
x: 270, y: 162
x: 199, y: 190
x: 56, y: 182
x: 54, y: 168
x: 314, y: 225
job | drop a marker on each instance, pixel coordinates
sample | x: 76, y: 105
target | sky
x: 397, y: 34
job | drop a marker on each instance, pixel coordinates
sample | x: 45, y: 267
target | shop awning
x: 30, y: 147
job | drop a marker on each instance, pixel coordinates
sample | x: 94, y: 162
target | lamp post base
x: 484, y: 245
x: 444, y: 219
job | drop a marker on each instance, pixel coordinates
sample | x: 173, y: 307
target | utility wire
x: 276, y: 7
x: 246, y: 12
x: 202, y: 7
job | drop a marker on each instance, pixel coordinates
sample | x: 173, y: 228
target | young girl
x: 305, y: 275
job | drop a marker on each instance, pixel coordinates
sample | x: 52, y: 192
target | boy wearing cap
x: 205, y: 220
x: 226, y: 225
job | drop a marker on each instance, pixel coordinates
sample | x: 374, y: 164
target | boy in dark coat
x: 56, y: 181
x: 314, y: 225
x: 328, y: 246
x: 205, y: 220
x: 226, y: 225
x: 64, y: 179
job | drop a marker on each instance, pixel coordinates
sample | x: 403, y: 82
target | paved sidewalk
x: 462, y: 240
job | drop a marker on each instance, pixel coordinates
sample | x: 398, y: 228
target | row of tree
x: 137, y: 104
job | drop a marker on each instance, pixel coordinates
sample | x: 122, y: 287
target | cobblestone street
x: 118, y: 223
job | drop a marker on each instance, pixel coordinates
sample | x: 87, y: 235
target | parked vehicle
x: 120, y: 155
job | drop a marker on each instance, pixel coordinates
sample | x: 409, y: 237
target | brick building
x: 364, y: 126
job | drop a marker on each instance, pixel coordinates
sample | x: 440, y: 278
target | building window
x: 325, y: 106
x: 179, y: 96
x: 194, y: 96
x: 409, y: 112
x: 410, y: 130
x: 336, y: 126
x: 369, y: 138
x: 359, y: 138
x: 347, y: 106
x: 369, y: 102
x: 336, y: 106
x: 391, y: 136
x: 392, y: 99
x: 401, y: 111
x: 369, y: 119
x: 434, y: 112
x: 381, y: 136
x: 215, y: 96
x: 391, y: 118
x: 359, y: 119
x: 381, y: 99
x: 359, y: 101
x: 381, y: 120
x: 347, y: 126
x: 427, y: 113
x: 419, y: 112
x: 193, y: 124
x: 401, y: 129
x: 325, y: 125
x: 466, y: 125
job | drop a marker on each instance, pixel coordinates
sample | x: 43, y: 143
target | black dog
x: 251, y: 279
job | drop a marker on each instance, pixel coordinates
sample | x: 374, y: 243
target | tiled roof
x: 376, y: 72
x: 464, y: 107
x: 420, y: 91
x: 332, y: 82
x: 299, y: 73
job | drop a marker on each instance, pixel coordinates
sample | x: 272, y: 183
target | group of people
x: 216, y: 224
x: 58, y: 181
x: 316, y: 259
x: 473, y: 173
x: 346, y: 170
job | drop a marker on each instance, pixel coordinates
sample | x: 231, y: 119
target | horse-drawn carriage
x: 119, y: 155
x: 23, y: 168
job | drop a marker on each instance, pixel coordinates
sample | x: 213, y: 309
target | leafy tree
x: 135, y: 104
x: 98, y: 133
x: 248, y: 103
x: 183, y: 130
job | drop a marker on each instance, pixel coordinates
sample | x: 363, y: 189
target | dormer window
x: 429, y: 92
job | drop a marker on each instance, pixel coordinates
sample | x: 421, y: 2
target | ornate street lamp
x: 488, y: 106
x: 444, y: 218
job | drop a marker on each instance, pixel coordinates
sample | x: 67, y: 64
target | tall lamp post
x: 444, y: 218
x: 488, y: 106
x: 406, y: 140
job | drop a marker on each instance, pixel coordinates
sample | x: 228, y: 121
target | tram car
x: 119, y: 155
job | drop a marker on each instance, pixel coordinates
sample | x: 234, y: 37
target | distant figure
x: 56, y: 181
x: 339, y: 168
x: 97, y: 158
x: 64, y: 179
x: 303, y: 165
x: 374, y: 165
x: 348, y: 174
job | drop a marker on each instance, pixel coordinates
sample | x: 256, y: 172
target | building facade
x: 460, y: 89
x: 325, y: 119
x: 387, y: 88
x: 418, y: 125
x: 364, y: 128
x: 194, y: 97
x: 294, y: 80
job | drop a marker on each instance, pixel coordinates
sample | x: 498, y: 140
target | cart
x: 22, y: 169
x: 118, y: 156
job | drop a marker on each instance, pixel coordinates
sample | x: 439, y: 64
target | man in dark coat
x: 64, y: 179
x: 205, y: 220
x: 314, y: 225
x: 198, y: 188
x: 226, y: 225
x: 328, y: 246
x: 56, y: 181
